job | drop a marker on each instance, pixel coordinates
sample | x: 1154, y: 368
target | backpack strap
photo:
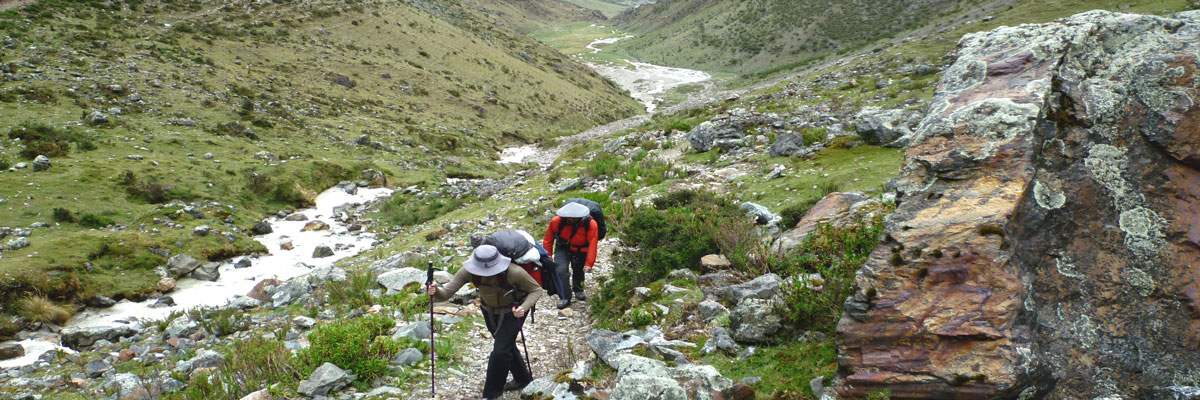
x: 503, y: 285
x: 583, y: 222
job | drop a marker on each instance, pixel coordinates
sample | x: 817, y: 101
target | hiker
x: 571, y: 240
x: 519, y: 246
x: 508, y: 293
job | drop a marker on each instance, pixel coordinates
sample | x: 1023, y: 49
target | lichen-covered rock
x: 890, y: 128
x: 84, y: 338
x: 1047, y: 237
x: 755, y: 321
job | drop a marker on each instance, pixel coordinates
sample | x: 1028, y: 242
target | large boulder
x: 181, y: 264
x: 11, y: 350
x: 84, y: 338
x: 1046, y: 241
x: 641, y: 378
x: 755, y: 321
x: 395, y: 281
x: 325, y: 379
x: 790, y: 144
x: 726, y: 131
x: 762, y: 287
x: 890, y: 128
x: 207, y: 272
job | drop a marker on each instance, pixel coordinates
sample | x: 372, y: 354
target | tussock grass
x: 41, y: 309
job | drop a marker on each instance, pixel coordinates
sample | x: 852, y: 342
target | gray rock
x: 41, y: 163
x: 291, y: 291
x: 181, y: 264
x: 671, y: 290
x: 243, y: 263
x: 100, y: 302
x: 891, y: 128
x: 262, y: 228
x: 1179, y: 393
x: 208, y: 156
x: 181, y: 326
x: 303, y: 322
x: 322, y: 251
x: 171, y: 385
x: 762, y: 215
x: 161, y: 302
x: 720, y: 340
x: 10, y: 351
x: 84, y: 338
x: 682, y: 274
x: 328, y: 273
x: 243, y: 302
x: 790, y: 144
x: 395, y: 281
x: 762, y: 287
x: 607, y: 344
x: 408, y: 357
x: 207, y: 359
x: 17, y: 243
x: 123, y: 383
x: 349, y: 187
x: 709, y: 310
x: 202, y: 230
x: 755, y: 321
x: 418, y: 330
x: 569, y: 184
x: 325, y: 379
x: 95, y: 118
x: 753, y: 380
x: 296, y: 217
x: 546, y: 387
x: 207, y: 272
x: 647, y: 387
x: 817, y: 384
x: 708, y: 134
x: 385, y: 391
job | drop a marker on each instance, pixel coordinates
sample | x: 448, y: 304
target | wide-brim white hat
x: 486, y: 260
x: 573, y: 210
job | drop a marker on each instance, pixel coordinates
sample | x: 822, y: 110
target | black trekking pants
x: 505, y: 357
x: 570, y: 263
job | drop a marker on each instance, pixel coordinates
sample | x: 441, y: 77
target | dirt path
x: 555, y: 340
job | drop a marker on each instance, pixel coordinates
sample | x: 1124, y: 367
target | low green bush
x: 39, y: 139
x: 360, y: 346
x: 95, y: 221
x: 63, y: 215
x: 406, y: 211
x: 792, y: 214
x: 836, y: 254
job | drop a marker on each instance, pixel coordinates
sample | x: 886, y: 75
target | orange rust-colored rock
x: 1046, y: 243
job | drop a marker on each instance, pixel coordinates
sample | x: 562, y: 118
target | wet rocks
x: 325, y: 379
x: 41, y: 163
x: 100, y: 302
x: 11, y: 350
x: 762, y: 215
x: 84, y: 338
x: 262, y: 228
x: 165, y: 285
x: 1046, y: 237
x: 322, y: 251
x: 181, y: 264
x: 207, y: 272
x: 243, y: 263
x: 315, y: 225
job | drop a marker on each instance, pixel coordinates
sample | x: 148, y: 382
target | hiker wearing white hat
x: 508, y: 293
x: 571, y: 239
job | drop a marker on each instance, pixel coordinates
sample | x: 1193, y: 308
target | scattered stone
x: 314, y: 225
x: 181, y: 264
x: 890, y: 128
x: 165, y: 285
x: 790, y: 144
x: 325, y: 379
x: 99, y: 301
x: 714, y: 262
x: 408, y: 357
x: 418, y: 330
x: 41, y: 163
x: 762, y: 215
x: 322, y: 251
x: 84, y: 338
x: 259, y: 292
x: 125, y: 355
x: 96, y: 368
x: 10, y: 351
x: 262, y: 228
x: 817, y: 384
x: 303, y: 322
x: 165, y: 301
x: 296, y: 217
x: 709, y: 310
x: 243, y: 263
x: 684, y: 274
x: 762, y: 287
x: 755, y: 321
x: 264, y: 394
x: 207, y: 272
x: 207, y: 359
x: 287, y: 245
x: 720, y: 340
x: 437, y: 234
x: 96, y: 118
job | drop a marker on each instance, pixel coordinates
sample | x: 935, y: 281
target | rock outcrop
x: 1048, y: 233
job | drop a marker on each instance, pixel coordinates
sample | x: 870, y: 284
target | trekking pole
x: 432, y: 360
x: 528, y: 365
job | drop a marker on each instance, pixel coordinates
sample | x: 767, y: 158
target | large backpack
x: 596, y: 213
x: 514, y: 245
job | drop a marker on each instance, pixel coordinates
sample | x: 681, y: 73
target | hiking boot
x: 514, y: 385
x: 563, y: 303
x: 579, y: 296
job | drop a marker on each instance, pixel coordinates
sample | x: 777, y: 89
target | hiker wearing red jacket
x: 571, y: 239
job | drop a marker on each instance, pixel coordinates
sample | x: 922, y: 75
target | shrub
x: 403, y: 211
x: 95, y: 221
x: 41, y: 309
x: 63, y: 215
x: 830, y: 187
x: 605, y: 164
x: 359, y: 346
x: 150, y: 191
x: 5, y: 163
x: 40, y: 139
x: 792, y: 214
x: 836, y: 254
x: 813, y: 135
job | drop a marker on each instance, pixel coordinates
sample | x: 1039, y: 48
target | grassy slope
x: 609, y: 8
x: 529, y: 15
x: 457, y: 89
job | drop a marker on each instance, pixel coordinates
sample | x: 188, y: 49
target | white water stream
x: 279, y: 264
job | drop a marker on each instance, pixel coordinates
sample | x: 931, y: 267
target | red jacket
x: 578, y: 239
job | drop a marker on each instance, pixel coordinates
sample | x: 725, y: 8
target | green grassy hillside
x: 277, y: 92
x: 529, y: 15
x: 610, y: 7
